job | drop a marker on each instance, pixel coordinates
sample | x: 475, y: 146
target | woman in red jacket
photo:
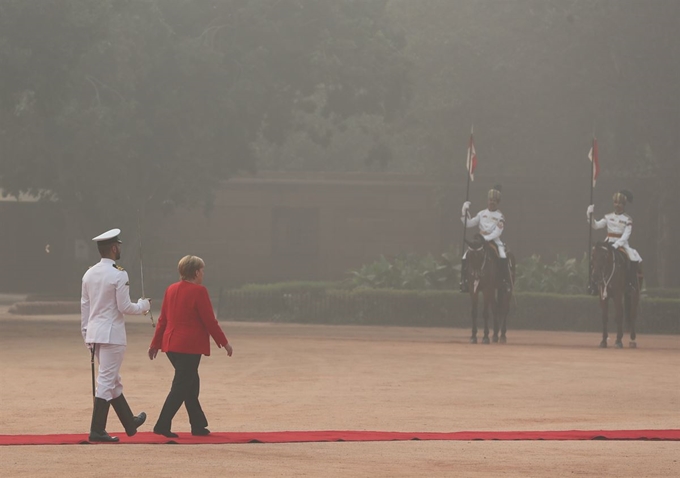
x: 183, y: 332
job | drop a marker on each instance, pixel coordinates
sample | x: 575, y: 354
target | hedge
x: 318, y: 305
x: 435, y: 309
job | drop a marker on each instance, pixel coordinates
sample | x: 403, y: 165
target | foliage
x: 412, y: 272
x: 151, y: 104
x: 659, y: 293
x: 434, y: 308
x: 292, y: 286
x: 563, y: 276
x: 407, y: 271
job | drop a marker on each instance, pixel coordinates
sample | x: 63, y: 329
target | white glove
x: 590, y: 210
x: 89, y: 347
x: 486, y: 238
x: 466, y: 206
x: 145, y: 304
x: 617, y: 244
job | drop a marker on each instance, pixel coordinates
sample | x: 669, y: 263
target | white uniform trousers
x: 501, y: 248
x: 110, y: 358
x: 632, y: 253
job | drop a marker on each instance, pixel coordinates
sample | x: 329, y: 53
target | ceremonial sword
x: 141, y: 266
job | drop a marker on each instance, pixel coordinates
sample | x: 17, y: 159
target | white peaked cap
x: 111, y: 235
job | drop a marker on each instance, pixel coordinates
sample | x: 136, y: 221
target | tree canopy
x: 150, y: 102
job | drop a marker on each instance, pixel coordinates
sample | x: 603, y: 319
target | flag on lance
x: 593, y: 156
x: 471, y: 158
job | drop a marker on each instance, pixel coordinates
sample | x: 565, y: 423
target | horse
x: 610, y: 276
x: 483, y: 275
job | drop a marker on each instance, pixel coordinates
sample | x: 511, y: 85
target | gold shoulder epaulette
x: 118, y: 267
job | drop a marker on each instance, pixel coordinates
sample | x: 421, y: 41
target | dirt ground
x: 294, y: 377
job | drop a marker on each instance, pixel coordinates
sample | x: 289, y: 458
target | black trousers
x: 185, y: 388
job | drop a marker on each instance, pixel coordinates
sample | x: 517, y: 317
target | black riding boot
x: 635, y: 276
x: 463, y: 276
x: 129, y: 421
x: 98, y: 426
x: 505, y: 274
x: 640, y: 274
x: 630, y: 275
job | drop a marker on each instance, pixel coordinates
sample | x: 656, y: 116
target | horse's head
x: 476, y: 243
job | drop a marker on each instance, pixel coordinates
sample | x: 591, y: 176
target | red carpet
x: 339, y: 436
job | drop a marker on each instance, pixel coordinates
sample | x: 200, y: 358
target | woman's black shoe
x: 165, y: 433
x: 200, y: 432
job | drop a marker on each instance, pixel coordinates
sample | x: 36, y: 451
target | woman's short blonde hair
x: 188, y: 266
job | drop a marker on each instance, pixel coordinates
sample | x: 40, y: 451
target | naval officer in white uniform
x: 105, y: 299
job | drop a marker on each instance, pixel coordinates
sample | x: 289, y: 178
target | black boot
x: 129, y: 421
x: 640, y: 275
x: 635, y: 276
x: 98, y: 427
x: 463, y: 276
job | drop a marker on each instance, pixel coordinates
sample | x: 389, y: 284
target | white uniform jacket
x: 490, y: 227
x: 105, y: 298
x: 619, y: 228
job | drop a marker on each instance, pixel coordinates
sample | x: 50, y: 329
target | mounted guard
x: 491, y: 223
x: 619, y: 228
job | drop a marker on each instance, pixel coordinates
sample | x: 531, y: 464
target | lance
x: 141, y: 264
x: 471, y: 157
x: 593, y: 160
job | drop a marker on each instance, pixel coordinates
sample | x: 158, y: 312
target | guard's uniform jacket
x: 490, y: 227
x: 619, y: 228
x: 104, y: 301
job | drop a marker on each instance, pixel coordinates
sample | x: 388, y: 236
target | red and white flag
x: 592, y: 155
x: 471, y: 158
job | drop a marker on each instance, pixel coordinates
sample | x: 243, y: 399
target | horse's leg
x: 619, y: 306
x: 604, y: 305
x: 496, y: 314
x: 474, y: 296
x: 504, y: 310
x: 634, y: 303
x: 485, y: 315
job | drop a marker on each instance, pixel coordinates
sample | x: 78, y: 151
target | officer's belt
x: 613, y: 234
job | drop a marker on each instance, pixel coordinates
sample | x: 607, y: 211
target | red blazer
x: 187, y: 321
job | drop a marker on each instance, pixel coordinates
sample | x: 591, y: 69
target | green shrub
x: 660, y: 293
x: 411, y: 272
x: 293, y: 286
x: 564, y: 275
x: 408, y: 272
x: 536, y: 311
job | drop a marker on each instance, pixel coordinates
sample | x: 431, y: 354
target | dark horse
x: 610, y: 276
x: 484, y: 275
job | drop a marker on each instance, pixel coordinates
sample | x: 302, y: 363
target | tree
x: 108, y: 105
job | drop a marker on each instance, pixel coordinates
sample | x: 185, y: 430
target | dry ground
x: 293, y: 377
